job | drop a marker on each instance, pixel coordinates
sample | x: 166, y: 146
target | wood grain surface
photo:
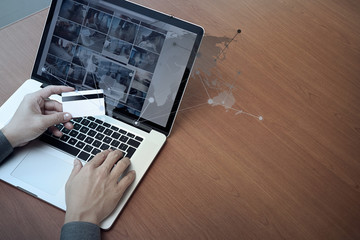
x: 224, y: 173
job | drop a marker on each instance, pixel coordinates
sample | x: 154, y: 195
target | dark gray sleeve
x: 81, y: 231
x: 5, y: 147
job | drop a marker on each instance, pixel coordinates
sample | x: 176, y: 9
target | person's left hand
x: 35, y: 115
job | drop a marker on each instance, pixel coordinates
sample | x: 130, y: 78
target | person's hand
x: 93, y: 191
x: 35, y: 115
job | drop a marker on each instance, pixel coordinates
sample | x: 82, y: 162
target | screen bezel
x: 129, y: 118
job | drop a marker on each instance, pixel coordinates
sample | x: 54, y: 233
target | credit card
x: 84, y: 103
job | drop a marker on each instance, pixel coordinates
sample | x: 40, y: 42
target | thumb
x: 56, y: 118
x: 76, y: 169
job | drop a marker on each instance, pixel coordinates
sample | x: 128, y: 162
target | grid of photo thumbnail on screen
x: 92, y: 48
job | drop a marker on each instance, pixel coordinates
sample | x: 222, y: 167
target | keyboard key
x: 133, y: 143
x: 77, y: 126
x: 140, y: 139
x: 65, y: 130
x: 104, y: 146
x: 95, y: 151
x: 93, y: 125
x: 84, y: 130
x: 107, y: 139
x: 123, y: 147
x: 99, y: 136
x: 73, y: 133
x: 96, y: 143
x: 115, y: 128
x: 77, y: 119
x: 80, y: 145
x: 99, y: 121
x: 89, y: 140
x: 123, y: 131
x: 92, y: 133
x: 91, y: 118
x: 88, y: 148
x: 115, y: 143
x: 84, y: 156
x: 61, y: 145
x: 81, y: 136
x: 64, y: 138
x: 85, y: 122
x: 108, y: 132
x: 72, y: 141
x: 100, y: 129
x: 130, y: 152
x: 123, y: 139
x: 106, y: 124
x: 130, y: 135
x: 59, y: 126
x: 116, y: 135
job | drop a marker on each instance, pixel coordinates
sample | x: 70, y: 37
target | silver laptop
x: 141, y: 59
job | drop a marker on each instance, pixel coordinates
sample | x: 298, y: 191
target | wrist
x: 10, y: 136
x: 80, y: 217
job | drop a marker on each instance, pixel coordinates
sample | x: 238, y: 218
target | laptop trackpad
x: 44, y: 171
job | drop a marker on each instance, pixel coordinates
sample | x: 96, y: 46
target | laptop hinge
x: 132, y: 122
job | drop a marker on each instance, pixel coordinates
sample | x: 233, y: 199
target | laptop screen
x: 139, y: 57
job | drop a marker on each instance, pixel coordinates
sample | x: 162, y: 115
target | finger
x: 76, y: 169
x: 52, y: 105
x: 69, y: 125
x: 50, y: 90
x: 55, y: 131
x: 56, y: 118
x: 120, y: 167
x: 99, y: 159
x: 49, y: 112
x: 125, y: 182
x: 111, y: 159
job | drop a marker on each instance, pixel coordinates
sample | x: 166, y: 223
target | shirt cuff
x: 80, y: 230
x: 5, y: 147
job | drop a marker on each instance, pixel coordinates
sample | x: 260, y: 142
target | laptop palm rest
x: 43, y: 171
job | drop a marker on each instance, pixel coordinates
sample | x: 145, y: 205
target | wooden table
x: 225, y: 173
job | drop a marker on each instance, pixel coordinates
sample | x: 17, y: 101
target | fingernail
x: 67, y: 117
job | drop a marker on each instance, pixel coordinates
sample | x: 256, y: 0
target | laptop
x: 139, y: 57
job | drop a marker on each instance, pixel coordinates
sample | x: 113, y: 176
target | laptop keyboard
x: 91, y: 136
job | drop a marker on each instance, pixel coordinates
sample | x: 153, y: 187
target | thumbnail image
x: 92, y: 39
x: 143, y: 59
x: 127, y: 18
x: 76, y: 75
x: 142, y: 81
x: 117, y: 49
x: 136, y: 99
x: 67, y: 29
x: 82, y: 56
x: 91, y: 79
x: 62, y: 48
x: 113, y: 78
x: 97, y: 20
x: 123, y: 30
x: 73, y: 11
x: 56, y: 67
x: 150, y: 40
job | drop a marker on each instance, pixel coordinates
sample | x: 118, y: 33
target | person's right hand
x: 93, y: 191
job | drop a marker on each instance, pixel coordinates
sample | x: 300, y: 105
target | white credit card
x: 84, y: 103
